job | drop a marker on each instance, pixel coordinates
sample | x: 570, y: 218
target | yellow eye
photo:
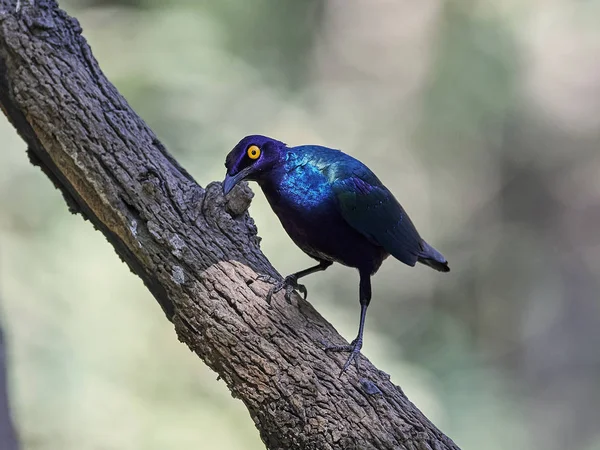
x: 253, y: 152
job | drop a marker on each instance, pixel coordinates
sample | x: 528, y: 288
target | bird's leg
x: 290, y: 283
x: 356, y: 344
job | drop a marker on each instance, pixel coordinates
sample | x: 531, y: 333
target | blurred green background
x: 483, y: 117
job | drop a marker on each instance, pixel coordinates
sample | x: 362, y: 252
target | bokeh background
x: 482, y: 116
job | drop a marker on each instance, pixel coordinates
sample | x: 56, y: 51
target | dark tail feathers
x: 432, y: 258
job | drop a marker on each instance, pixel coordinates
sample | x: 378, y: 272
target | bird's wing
x: 371, y: 209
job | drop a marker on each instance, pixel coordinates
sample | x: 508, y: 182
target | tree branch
x: 196, y: 252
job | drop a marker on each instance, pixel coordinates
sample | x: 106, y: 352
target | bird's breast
x: 307, y: 208
x: 304, y: 203
x: 304, y: 188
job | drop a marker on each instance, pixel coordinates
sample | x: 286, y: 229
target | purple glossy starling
x: 335, y: 209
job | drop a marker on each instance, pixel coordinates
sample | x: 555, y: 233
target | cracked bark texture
x: 197, y: 253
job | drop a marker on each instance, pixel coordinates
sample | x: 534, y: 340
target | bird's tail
x: 432, y: 258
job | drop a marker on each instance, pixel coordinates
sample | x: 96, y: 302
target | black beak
x: 228, y: 184
x: 231, y: 180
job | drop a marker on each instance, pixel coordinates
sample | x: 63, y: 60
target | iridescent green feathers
x: 334, y: 209
x: 368, y: 206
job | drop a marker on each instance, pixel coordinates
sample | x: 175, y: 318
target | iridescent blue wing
x: 371, y: 209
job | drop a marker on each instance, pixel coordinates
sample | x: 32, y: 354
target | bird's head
x: 253, y: 157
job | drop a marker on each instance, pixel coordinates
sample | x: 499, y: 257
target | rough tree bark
x: 196, y: 252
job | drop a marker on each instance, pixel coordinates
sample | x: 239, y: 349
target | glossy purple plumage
x: 332, y: 206
x: 304, y: 201
x: 335, y: 209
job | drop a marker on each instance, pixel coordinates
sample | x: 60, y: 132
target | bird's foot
x: 289, y: 283
x: 353, y: 349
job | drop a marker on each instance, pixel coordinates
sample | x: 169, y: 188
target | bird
x: 335, y: 210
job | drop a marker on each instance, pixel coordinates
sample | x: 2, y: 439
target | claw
x: 353, y: 349
x: 289, y: 283
x: 302, y: 289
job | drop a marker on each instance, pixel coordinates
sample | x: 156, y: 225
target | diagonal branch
x: 197, y: 253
